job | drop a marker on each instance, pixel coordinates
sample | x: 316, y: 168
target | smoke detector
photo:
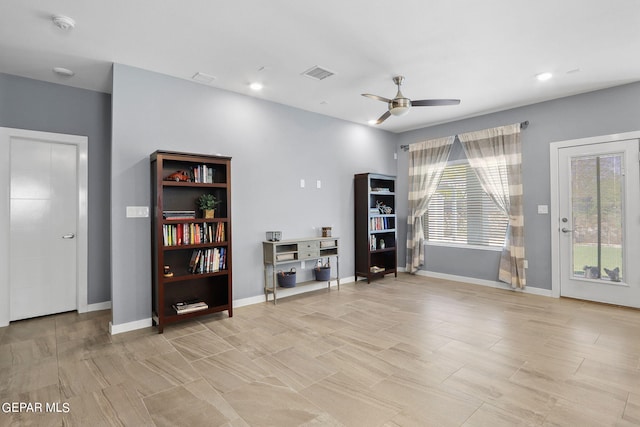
x: 63, y: 22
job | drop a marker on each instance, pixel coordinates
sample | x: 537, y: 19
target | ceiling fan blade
x: 383, y: 117
x: 376, y: 97
x: 434, y: 102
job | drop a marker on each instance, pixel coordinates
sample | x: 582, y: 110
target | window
x: 460, y: 212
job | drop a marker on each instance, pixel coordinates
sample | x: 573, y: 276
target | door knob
x: 69, y: 236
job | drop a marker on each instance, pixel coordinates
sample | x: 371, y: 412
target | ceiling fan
x: 399, y: 106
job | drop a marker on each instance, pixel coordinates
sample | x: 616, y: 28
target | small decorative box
x: 274, y: 236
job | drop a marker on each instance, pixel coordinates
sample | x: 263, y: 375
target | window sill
x: 463, y: 246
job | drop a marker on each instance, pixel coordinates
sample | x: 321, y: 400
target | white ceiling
x: 485, y: 53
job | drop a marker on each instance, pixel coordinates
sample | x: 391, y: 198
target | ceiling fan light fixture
x: 399, y: 106
x: 399, y: 111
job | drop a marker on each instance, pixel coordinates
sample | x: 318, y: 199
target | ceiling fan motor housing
x: 399, y: 106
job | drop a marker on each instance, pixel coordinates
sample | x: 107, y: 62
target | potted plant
x: 207, y: 204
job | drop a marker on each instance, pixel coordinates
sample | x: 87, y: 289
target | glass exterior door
x: 599, y: 216
x: 597, y: 207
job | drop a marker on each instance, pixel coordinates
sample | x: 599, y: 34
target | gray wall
x: 603, y: 112
x: 35, y: 105
x: 273, y: 147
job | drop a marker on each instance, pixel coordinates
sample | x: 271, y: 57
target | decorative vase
x: 209, y: 213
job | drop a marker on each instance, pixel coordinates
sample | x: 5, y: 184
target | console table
x: 284, y: 254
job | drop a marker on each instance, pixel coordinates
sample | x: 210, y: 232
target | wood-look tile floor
x: 410, y: 351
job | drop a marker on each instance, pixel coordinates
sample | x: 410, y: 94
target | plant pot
x: 209, y: 213
x: 322, y: 273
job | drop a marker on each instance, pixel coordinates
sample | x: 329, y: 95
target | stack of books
x: 178, y: 214
x: 189, y: 306
x: 376, y: 269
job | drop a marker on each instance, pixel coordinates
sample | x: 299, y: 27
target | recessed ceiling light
x: 64, y: 72
x: 63, y: 22
x: 544, y: 76
x: 256, y: 86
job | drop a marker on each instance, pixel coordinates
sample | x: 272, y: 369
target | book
x: 188, y: 307
x: 178, y: 215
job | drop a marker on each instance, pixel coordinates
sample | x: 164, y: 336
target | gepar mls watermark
x: 36, y: 407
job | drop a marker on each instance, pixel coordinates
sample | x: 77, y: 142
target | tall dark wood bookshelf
x: 375, y: 225
x: 179, y: 232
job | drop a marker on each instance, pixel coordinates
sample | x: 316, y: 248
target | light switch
x: 318, y: 184
x: 543, y: 209
x: 302, y: 183
x: 137, y: 211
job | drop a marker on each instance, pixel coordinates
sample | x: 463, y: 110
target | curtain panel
x: 427, y: 161
x: 490, y: 151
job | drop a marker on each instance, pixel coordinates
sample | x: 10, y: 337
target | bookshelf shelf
x: 375, y: 228
x: 208, y: 240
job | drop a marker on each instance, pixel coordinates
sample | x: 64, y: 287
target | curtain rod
x: 523, y: 125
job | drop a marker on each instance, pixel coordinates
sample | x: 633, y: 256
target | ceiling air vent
x: 203, y: 77
x: 318, y: 73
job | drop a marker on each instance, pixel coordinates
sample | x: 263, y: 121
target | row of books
x: 203, y: 174
x: 375, y: 243
x: 192, y: 233
x: 382, y: 223
x: 185, y: 307
x: 178, y: 214
x: 208, y: 260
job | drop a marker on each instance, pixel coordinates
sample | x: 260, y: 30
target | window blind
x: 460, y: 212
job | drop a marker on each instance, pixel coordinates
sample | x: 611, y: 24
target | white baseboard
x: 287, y: 292
x: 483, y: 282
x: 129, y: 326
x: 282, y: 293
x: 106, y: 305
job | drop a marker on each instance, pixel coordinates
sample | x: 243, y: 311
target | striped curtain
x: 427, y: 161
x: 488, y: 152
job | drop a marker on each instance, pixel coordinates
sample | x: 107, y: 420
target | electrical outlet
x: 318, y: 184
x: 302, y: 183
x: 525, y: 263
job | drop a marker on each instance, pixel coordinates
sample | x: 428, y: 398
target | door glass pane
x: 597, y: 185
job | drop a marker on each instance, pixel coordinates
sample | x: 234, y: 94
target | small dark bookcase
x: 375, y: 225
x: 191, y: 255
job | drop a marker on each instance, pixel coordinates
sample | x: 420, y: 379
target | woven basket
x: 287, y: 279
x: 322, y: 273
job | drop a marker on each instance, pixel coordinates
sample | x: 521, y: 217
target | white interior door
x: 599, y: 222
x: 43, y: 227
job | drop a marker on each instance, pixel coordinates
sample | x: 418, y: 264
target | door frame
x: 81, y: 143
x: 554, y: 151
